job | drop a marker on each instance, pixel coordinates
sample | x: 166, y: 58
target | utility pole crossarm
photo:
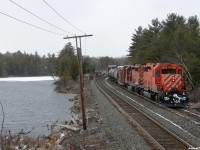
x: 80, y: 36
x: 79, y: 58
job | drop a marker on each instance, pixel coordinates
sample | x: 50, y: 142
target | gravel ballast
x: 186, y: 129
x: 114, y: 124
x: 108, y: 129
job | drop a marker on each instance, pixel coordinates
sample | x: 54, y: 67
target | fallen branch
x: 69, y: 127
x: 71, y: 117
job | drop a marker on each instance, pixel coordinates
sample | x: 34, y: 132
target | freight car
x: 113, y: 73
x: 163, y: 82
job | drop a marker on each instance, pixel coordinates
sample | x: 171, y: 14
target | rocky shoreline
x: 67, y: 135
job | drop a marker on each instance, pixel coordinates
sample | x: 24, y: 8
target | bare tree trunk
x: 188, y: 75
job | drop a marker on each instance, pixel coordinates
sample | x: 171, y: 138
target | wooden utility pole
x: 79, y: 57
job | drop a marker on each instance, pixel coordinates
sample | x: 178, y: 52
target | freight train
x: 162, y: 82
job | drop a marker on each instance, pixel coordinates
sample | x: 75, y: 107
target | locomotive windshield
x: 180, y: 72
x: 168, y: 71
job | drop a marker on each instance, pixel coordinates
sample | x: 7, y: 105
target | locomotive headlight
x: 166, y: 98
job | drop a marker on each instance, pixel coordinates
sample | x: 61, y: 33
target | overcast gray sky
x: 112, y: 23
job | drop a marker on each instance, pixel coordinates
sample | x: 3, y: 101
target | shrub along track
x: 161, y: 137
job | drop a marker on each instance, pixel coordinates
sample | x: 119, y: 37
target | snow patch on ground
x: 40, y: 78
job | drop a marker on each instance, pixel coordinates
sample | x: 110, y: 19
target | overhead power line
x: 31, y: 24
x: 40, y: 17
x: 62, y: 17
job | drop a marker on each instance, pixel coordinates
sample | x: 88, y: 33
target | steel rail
x: 167, y: 140
x: 179, y: 112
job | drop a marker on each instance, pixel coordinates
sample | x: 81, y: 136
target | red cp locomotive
x: 163, y: 82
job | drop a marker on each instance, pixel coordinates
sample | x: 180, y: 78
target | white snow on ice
x: 21, y: 79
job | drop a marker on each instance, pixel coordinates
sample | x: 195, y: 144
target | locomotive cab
x: 170, y: 84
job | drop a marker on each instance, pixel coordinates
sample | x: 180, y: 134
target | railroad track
x: 182, y: 112
x: 194, y: 117
x: 161, y: 137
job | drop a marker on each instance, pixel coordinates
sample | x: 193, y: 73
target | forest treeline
x: 64, y: 65
x: 23, y: 64
x: 175, y: 40
x: 67, y: 65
